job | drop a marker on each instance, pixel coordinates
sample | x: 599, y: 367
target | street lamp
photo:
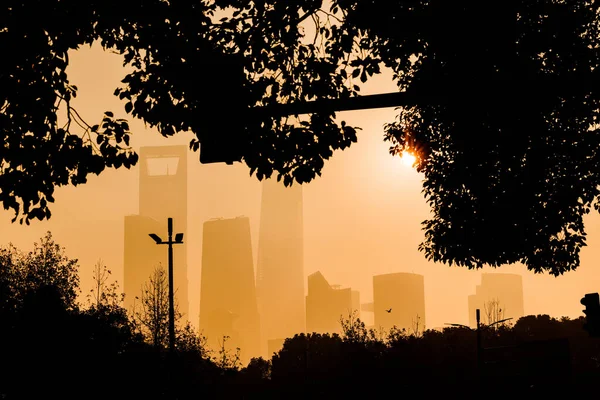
x: 170, y: 242
x: 478, y: 330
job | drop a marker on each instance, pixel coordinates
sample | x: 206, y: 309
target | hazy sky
x: 361, y: 218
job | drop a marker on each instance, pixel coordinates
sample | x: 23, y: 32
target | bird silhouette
x: 389, y: 310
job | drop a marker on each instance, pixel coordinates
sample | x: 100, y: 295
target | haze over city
x: 418, y: 153
x: 361, y: 217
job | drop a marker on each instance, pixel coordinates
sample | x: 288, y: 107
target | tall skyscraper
x: 399, y: 300
x: 227, y: 293
x: 141, y: 257
x: 163, y: 195
x: 326, y: 305
x: 499, y: 296
x: 280, y: 269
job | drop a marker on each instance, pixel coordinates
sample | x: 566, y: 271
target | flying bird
x: 389, y: 310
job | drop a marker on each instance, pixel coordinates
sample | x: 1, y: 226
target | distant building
x: 499, y: 296
x: 367, y: 307
x: 227, y: 294
x: 163, y: 195
x: 367, y: 314
x: 280, y: 264
x: 356, y: 302
x: 326, y: 305
x: 141, y: 257
x: 399, y: 300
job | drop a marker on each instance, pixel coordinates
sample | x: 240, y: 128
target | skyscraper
x: 326, y: 305
x: 163, y: 195
x: 227, y: 294
x: 141, y: 256
x: 399, y: 300
x: 280, y: 269
x: 499, y: 296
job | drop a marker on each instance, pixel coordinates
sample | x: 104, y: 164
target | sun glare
x: 408, y: 159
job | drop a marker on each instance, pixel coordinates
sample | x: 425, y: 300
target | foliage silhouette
x: 52, y: 346
x: 46, y: 265
x: 104, y: 294
x: 501, y: 113
x: 67, y: 349
x: 186, y: 65
x: 503, y: 123
x: 152, y: 311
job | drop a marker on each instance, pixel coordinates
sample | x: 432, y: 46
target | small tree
x: 103, y: 293
x: 354, y: 330
x: 187, y: 340
x: 153, y: 312
x: 493, y: 313
x: 48, y: 265
x: 10, y: 286
x: 226, y: 359
x: 417, y: 327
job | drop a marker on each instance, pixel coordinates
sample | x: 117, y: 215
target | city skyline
x: 362, y: 217
x: 311, y: 199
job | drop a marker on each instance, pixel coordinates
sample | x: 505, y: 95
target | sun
x: 408, y: 159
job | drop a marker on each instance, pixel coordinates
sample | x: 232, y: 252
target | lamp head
x: 179, y: 238
x: 155, y: 237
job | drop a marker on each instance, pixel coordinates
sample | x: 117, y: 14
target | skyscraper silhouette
x: 399, y: 299
x: 499, y: 294
x: 227, y: 294
x: 163, y: 194
x: 141, y: 256
x: 326, y: 305
x: 280, y: 269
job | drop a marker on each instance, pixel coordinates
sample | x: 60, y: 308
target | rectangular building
x: 399, y: 301
x: 499, y: 296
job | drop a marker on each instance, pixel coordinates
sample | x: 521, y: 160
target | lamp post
x: 478, y: 332
x: 170, y: 242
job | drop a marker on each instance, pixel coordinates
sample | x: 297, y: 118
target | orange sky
x: 361, y: 218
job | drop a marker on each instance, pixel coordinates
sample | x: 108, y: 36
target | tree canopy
x: 502, y: 103
x: 505, y: 127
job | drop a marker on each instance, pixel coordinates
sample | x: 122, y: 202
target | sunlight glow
x: 408, y: 159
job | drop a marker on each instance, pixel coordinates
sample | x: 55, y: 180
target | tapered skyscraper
x: 141, y: 257
x: 163, y: 195
x: 280, y: 269
x: 227, y: 294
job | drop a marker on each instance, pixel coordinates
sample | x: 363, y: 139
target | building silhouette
x: 499, y: 296
x: 280, y: 266
x: 141, y: 256
x: 399, y: 300
x: 163, y: 195
x: 356, y: 307
x: 227, y: 294
x: 367, y: 314
x: 326, y: 305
